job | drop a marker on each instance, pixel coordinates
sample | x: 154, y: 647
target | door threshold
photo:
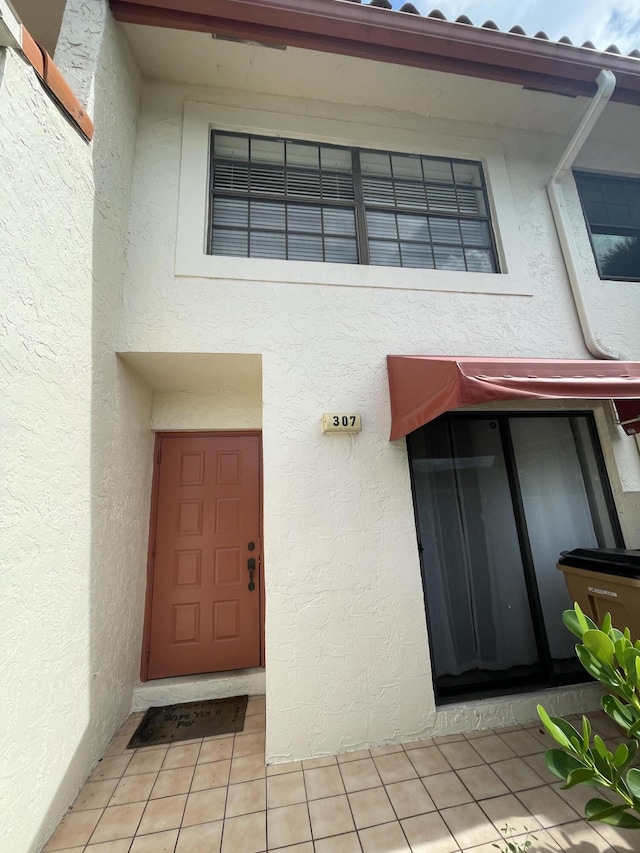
x: 195, y: 688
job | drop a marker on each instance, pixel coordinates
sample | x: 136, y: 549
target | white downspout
x: 606, y: 84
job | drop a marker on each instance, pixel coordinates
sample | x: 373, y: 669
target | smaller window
x: 611, y: 208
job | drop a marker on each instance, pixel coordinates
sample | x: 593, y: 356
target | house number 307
x: 341, y: 422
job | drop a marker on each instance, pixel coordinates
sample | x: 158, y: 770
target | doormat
x: 170, y: 723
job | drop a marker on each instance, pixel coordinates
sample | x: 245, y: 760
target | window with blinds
x: 281, y: 198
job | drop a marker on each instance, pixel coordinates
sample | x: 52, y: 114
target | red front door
x: 204, y: 601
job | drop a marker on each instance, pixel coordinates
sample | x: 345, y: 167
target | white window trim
x: 193, y: 261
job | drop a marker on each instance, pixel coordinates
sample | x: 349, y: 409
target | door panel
x: 497, y: 498
x: 204, y: 617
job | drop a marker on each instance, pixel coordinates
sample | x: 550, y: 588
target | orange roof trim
x: 55, y: 83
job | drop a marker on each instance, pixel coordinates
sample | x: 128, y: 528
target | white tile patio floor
x: 434, y: 796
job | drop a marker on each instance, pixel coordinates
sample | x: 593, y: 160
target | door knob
x: 251, y: 566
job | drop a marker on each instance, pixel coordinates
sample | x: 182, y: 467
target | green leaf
x: 595, y: 668
x: 553, y: 729
x: 620, y: 713
x: 561, y: 764
x: 603, y: 765
x: 633, y: 781
x: 620, y: 756
x: 632, y: 746
x: 581, y: 776
x: 634, y: 730
x: 631, y: 666
x: 603, y: 811
x: 621, y: 645
x: 586, y: 733
x: 606, y: 623
x: 600, y: 747
x: 576, y: 621
x: 600, y: 646
x: 568, y: 730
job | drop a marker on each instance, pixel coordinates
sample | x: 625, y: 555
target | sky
x: 602, y: 22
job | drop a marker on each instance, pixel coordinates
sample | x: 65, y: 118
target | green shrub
x: 612, y: 658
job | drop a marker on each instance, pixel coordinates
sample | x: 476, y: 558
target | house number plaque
x: 341, y: 422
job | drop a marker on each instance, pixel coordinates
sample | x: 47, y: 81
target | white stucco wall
x: 76, y: 447
x: 178, y: 410
x: 346, y: 643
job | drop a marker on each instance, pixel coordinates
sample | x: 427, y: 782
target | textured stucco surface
x: 346, y: 642
x: 176, y: 410
x: 193, y: 688
x: 76, y: 447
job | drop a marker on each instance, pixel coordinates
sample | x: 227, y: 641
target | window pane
x: 267, y: 151
x: 445, y: 230
x: 416, y: 255
x: 304, y: 184
x: 303, y: 155
x: 619, y: 257
x: 410, y: 195
x: 563, y: 505
x: 231, y: 176
x: 467, y: 173
x: 384, y: 254
x: 448, y: 258
x: 437, y: 171
x: 471, y: 201
x: 375, y: 164
x: 336, y: 159
x: 413, y: 228
x: 231, y: 147
x: 474, y: 233
x: 381, y: 224
x: 304, y: 218
x: 479, y: 260
x: 305, y: 248
x: 612, y: 210
x: 337, y: 187
x: 442, y: 198
x: 268, y: 181
x: 225, y: 242
x: 267, y: 245
x: 338, y: 220
x: 267, y: 215
x: 340, y: 251
x: 231, y: 212
x: 377, y: 192
x: 406, y: 167
x: 473, y: 574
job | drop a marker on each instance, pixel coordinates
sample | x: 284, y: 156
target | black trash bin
x: 605, y: 580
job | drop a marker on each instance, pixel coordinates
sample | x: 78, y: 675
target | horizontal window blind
x: 280, y: 198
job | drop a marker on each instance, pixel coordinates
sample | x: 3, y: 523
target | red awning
x: 423, y: 387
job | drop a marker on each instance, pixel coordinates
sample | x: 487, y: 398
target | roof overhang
x: 369, y: 32
x: 424, y: 387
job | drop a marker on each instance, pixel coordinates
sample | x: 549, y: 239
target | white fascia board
x: 10, y: 27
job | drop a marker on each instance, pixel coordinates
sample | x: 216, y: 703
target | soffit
x: 375, y: 32
x: 197, y: 59
x: 198, y: 371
